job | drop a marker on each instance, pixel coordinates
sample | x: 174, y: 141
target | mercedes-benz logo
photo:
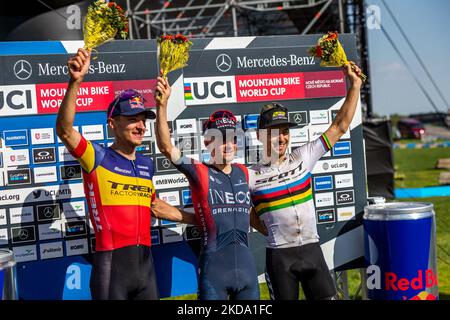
x: 195, y: 232
x: 166, y: 163
x: 23, y: 234
x: 298, y: 118
x: 70, y: 172
x: 187, y: 144
x: 22, y: 69
x: 223, y: 62
x: 48, y: 212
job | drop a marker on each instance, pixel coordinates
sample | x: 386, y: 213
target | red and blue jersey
x: 221, y: 202
x: 119, y: 193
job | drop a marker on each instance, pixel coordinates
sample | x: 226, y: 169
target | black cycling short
x: 126, y: 273
x: 286, y: 267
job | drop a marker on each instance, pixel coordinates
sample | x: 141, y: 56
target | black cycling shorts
x: 286, y: 267
x: 126, y: 273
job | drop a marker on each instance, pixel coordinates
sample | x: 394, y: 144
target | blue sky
x: 427, y: 24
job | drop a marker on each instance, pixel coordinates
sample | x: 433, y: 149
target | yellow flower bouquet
x: 331, y: 52
x: 173, y: 53
x: 103, y: 22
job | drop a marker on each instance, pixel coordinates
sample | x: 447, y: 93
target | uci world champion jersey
x: 282, y: 196
x: 119, y: 193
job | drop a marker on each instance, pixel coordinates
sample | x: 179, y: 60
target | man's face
x: 276, y: 139
x: 128, y: 129
x: 222, y: 147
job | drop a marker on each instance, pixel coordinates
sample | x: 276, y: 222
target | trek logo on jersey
x: 323, y: 183
x: 129, y: 190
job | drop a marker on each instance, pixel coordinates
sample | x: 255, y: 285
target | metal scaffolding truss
x: 212, y: 18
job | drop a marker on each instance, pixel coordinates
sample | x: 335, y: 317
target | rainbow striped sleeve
x: 325, y: 142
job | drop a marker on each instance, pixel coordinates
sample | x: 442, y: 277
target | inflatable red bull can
x: 8, y: 287
x: 400, y: 251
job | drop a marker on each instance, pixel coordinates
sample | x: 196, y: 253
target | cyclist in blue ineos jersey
x: 222, y: 204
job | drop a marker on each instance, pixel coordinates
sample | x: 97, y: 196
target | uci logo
x: 216, y: 89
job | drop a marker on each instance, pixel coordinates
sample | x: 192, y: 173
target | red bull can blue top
x: 400, y: 251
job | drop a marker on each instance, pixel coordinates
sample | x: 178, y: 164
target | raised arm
x: 162, y: 130
x: 345, y: 115
x: 163, y: 210
x: 78, y: 67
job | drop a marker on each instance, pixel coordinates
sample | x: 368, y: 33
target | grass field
x: 417, y: 166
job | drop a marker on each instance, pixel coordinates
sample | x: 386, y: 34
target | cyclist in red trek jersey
x: 119, y: 190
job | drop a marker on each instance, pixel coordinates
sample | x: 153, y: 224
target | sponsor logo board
x: 345, y: 197
x: 42, y: 136
x: 345, y: 213
x: 325, y: 216
x: 343, y: 180
x: 171, y: 197
x: 323, y: 183
x: 17, y: 157
x: 332, y: 165
x: 23, y: 234
x: 41, y: 194
x: 14, y: 138
x: 44, y: 155
x: 172, y: 234
x: 325, y: 199
x: 74, y: 209
x: 21, y: 215
x: 45, y: 174
x: 51, y: 250
x: 19, y: 176
x: 77, y: 247
x: 25, y: 253
x: 50, y: 231
x: 93, y: 132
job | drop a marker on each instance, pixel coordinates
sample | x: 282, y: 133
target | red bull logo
x: 136, y: 102
x: 423, y: 280
x: 423, y: 296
